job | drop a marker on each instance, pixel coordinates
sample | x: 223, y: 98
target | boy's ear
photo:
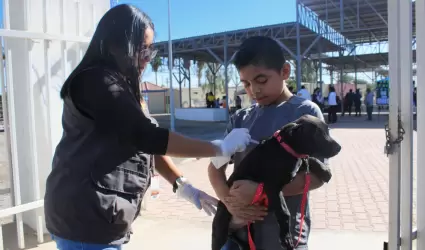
x: 286, y: 71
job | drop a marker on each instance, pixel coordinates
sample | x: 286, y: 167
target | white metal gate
x: 40, y: 51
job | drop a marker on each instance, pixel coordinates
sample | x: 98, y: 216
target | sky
x: 193, y: 18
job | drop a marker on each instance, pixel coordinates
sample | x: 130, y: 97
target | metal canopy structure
x: 211, y: 48
x: 360, y: 21
x: 360, y: 62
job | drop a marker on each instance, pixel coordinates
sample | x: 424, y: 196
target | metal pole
x: 341, y: 15
x: 341, y: 83
x: 420, y: 119
x: 355, y: 78
x: 394, y: 158
x: 406, y: 97
x: 320, y: 69
x: 226, y: 77
x: 298, y: 47
x: 170, y: 68
x: 190, y: 87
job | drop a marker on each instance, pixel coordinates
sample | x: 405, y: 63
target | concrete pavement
x: 351, y: 212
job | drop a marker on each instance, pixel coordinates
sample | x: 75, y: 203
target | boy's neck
x: 285, y: 96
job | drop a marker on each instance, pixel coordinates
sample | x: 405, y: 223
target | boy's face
x: 264, y: 85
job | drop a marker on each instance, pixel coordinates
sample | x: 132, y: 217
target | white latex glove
x: 236, y: 141
x: 198, y: 198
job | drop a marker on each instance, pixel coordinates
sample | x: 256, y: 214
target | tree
x: 234, y: 76
x: 362, y: 81
x: 200, y: 66
x: 347, y: 78
x: 156, y: 63
x: 291, y: 83
x: 308, y: 71
x: 214, y: 80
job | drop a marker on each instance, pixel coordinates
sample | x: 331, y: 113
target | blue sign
x: 382, y: 92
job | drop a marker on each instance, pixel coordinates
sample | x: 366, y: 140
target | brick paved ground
x: 352, y: 208
x: 356, y: 199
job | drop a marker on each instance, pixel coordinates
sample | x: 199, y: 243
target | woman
x: 333, y: 105
x: 358, y: 102
x: 317, y: 98
x: 103, y: 163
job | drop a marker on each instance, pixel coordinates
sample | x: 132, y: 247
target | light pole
x: 170, y: 68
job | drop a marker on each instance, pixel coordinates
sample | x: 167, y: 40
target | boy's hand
x: 239, y: 202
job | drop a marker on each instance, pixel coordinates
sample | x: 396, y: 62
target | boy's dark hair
x: 260, y: 51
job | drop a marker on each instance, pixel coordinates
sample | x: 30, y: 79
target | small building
x: 158, y: 98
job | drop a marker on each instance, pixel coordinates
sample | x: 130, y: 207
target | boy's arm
x: 217, y: 176
x: 218, y: 181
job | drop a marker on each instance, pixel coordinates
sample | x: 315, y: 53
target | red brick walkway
x: 356, y: 199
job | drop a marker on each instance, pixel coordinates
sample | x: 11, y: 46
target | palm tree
x: 308, y: 71
x: 212, y: 77
x: 156, y: 63
x: 200, y: 65
x: 234, y: 75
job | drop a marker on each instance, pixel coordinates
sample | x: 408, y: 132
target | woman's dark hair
x: 331, y: 89
x: 118, y: 38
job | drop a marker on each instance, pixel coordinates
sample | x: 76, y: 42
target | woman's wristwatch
x: 178, y: 182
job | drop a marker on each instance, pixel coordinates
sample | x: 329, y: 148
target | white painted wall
x: 201, y: 114
x: 31, y: 94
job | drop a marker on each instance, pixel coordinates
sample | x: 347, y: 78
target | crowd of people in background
x: 352, y: 101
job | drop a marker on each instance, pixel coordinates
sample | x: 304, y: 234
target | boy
x: 263, y: 71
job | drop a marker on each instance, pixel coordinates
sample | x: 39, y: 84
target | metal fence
x: 9, y: 109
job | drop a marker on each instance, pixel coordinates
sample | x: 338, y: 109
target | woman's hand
x: 239, y: 202
x: 199, y: 198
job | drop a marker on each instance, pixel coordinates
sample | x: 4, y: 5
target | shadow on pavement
x: 11, y: 239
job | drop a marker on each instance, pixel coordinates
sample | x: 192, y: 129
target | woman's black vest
x: 94, y: 191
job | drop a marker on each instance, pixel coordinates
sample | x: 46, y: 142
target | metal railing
x: 8, y: 102
x: 12, y: 211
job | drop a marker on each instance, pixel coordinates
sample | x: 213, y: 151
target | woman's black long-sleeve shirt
x: 102, y: 165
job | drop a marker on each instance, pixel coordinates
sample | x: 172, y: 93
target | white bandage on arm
x: 220, y: 161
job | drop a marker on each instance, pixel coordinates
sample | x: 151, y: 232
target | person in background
x: 263, y: 71
x: 303, y: 93
x: 104, y: 161
x: 207, y: 101
x: 369, y: 103
x: 320, y: 98
x: 317, y: 98
x: 414, y: 103
x: 414, y: 97
x: 349, y: 100
x: 211, y: 99
x: 238, y: 102
x: 223, y: 102
x: 358, y: 103
x: 333, y: 105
